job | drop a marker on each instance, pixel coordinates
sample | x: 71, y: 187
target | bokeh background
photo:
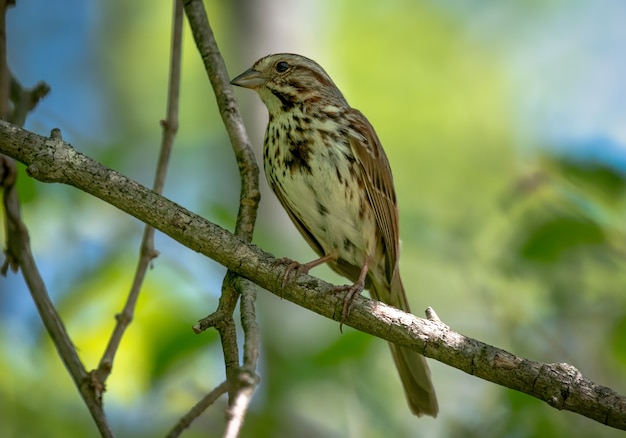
x: 505, y: 126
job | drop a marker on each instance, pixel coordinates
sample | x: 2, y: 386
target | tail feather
x: 412, y: 366
x: 415, y: 377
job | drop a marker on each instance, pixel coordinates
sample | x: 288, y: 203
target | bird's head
x: 285, y: 80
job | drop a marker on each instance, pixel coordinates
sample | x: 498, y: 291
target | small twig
x: 225, y: 307
x: 198, y: 409
x: 432, y: 315
x: 222, y: 320
x: 25, y: 100
x: 148, y: 252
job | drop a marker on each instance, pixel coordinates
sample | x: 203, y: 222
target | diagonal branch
x: 22, y: 256
x: 559, y: 385
x: 147, y: 252
x: 197, y: 410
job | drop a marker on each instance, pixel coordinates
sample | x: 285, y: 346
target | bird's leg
x: 303, y: 268
x: 353, y: 291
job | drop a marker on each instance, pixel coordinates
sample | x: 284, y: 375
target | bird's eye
x: 282, y: 66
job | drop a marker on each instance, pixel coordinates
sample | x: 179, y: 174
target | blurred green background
x: 504, y: 125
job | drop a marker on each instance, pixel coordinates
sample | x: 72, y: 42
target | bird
x: 326, y: 165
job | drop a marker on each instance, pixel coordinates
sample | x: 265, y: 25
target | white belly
x: 318, y: 195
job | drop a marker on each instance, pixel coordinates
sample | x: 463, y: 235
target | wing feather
x: 378, y: 184
x: 302, y: 228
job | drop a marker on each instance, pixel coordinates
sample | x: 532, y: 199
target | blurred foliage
x: 511, y: 236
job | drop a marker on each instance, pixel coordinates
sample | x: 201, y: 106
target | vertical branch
x: 147, y: 251
x: 241, y: 380
x: 18, y: 252
x: 247, y: 378
x: 218, y: 75
x: 4, y: 69
x: 8, y: 170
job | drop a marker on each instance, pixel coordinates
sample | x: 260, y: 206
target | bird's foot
x: 300, y: 268
x: 352, y: 291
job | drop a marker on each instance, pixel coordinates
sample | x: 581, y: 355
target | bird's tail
x: 412, y: 366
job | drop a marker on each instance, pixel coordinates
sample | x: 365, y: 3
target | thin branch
x: 198, y: 409
x: 218, y: 75
x: 4, y: 67
x: 239, y: 407
x: 248, y: 322
x: 21, y: 254
x: 18, y: 252
x: 24, y: 101
x: 243, y: 379
x: 147, y: 251
x: 222, y: 320
x: 248, y: 378
x: 560, y: 385
x: 8, y: 171
x: 227, y: 330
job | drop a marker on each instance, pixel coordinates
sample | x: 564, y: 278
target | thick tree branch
x: 560, y: 385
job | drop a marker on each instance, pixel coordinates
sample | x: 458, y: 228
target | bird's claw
x: 292, y: 266
x: 352, y: 291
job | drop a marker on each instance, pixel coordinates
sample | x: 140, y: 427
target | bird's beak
x: 249, y: 79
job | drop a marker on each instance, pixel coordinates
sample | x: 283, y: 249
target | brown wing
x: 378, y: 183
